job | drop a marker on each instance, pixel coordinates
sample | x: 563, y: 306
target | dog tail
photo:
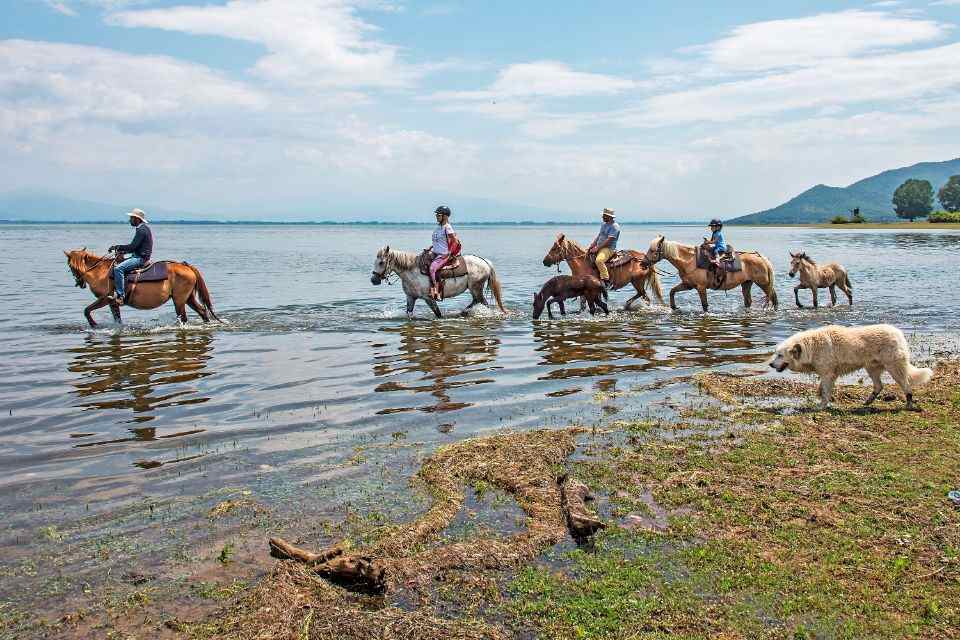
x: 919, y: 376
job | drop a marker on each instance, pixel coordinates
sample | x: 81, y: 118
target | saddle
x: 619, y: 258
x: 729, y: 261
x: 456, y: 267
x: 151, y: 272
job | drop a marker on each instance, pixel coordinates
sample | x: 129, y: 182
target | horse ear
x: 793, y: 255
x: 386, y: 250
x: 560, y: 237
x: 66, y: 253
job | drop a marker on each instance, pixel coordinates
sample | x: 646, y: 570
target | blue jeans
x: 120, y: 271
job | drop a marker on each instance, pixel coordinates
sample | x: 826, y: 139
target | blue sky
x: 380, y: 108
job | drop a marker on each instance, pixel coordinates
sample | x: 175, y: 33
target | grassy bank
x: 750, y: 516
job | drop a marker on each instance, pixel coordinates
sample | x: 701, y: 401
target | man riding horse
x: 605, y: 244
x: 141, y: 247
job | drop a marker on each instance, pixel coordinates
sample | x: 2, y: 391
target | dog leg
x: 875, y: 373
x: 826, y: 391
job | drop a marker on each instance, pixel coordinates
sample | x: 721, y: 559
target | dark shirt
x: 142, y: 243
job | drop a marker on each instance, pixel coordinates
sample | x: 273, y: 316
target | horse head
x: 556, y: 253
x: 795, y: 260
x: 655, y: 251
x: 76, y: 262
x: 381, y: 264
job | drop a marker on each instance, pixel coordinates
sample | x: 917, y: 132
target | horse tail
x: 771, y: 277
x: 200, y: 288
x: 494, y: 283
x: 846, y: 276
x: 655, y: 284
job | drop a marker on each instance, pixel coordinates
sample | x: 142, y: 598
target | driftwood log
x: 573, y: 498
x: 357, y: 572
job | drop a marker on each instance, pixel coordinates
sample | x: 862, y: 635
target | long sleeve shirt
x: 142, y: 243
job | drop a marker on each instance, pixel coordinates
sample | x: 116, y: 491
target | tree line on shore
x: 914, y: 199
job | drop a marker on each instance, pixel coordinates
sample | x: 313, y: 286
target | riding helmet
x: 443, y: 210
x: 715, y: 223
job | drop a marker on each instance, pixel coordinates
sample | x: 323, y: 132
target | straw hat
x: 609, y: 212
x: 138, y: 213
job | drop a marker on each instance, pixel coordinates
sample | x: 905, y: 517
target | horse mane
x: 569, y: 247
x: 403, y: 260
x: 78, y: 258
x: 804, y: 256
x: 669, y: 249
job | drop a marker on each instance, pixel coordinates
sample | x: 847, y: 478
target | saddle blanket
x: 730, y: 266
x: 153, y: 272
x: 455, y: 268
x: 618, y: 259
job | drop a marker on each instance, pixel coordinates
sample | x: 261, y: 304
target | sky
x: 381, y: 109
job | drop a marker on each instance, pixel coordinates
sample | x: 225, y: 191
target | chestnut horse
x: 636, y: 272
x: 184, y: 284
x: 756, y: 269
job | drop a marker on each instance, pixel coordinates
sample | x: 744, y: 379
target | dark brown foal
x: 560, y: 288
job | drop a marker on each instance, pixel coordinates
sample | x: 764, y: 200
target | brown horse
x: 636, y: 272
x: 814, y: 276
x: 756, y: 269
x: 184, y: 284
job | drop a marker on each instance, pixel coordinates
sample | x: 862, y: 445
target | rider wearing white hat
x: 605, y: 244
x: 140, y: 248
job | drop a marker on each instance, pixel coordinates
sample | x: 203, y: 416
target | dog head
x: 789, y: 355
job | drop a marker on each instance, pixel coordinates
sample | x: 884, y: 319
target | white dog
x: 833, y: 351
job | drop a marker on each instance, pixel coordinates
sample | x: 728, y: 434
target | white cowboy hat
x: 138, y: 213
x: 609, y: 212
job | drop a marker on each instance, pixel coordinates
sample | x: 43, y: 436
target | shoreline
x: 909, y: 226
x: 748, y: 513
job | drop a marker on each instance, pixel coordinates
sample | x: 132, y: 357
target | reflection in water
x: 603, y: 349
x: 446, y: 354
x: 142, y: 374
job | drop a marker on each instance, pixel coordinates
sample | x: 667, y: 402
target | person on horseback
x: 140, y: 248
x: 605, y: 244
x: 717, y: 244
x: 445, y: 246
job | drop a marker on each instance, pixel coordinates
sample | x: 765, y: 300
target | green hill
x: 872, y: 195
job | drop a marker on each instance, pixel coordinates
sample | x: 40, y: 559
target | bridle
x: 660, y: 249
x: 79, y: 273
x: 383, y: 276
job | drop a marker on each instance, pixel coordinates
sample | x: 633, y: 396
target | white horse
x: 480, y: 272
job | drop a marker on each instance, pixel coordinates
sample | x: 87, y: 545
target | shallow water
x: 313, y: 359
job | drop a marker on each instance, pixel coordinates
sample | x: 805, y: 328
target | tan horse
x: 636, y: 272
x: 813, y: 277
x: 184, y: 284
x: 756, y: 269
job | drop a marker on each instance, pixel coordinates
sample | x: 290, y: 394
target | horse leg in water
x: 593, y: 307
x: 411, y: 301
x: 563, y: 309
x: 814, y: 290
x: 181, y: 310
x: 641, y: 293
x: 476, y: 290
x: 745, y: 287
x: 115, y: 310
x: 194, y: 304
x: 833, y: 295
x: 434, y: 306
x: 796, y: 294
x: 98, y: 303
x: 703, y: 297
x: 683, y: 286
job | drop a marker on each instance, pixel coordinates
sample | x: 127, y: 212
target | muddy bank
x: 750, y: 515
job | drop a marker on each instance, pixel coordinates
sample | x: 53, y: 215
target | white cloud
x: 310, y: 42
x: 60, y: 7
x: 46, y: 83
x: 945, y: 3
x: 896, y: 76
x: 812, y: 40
x: 543, y: 79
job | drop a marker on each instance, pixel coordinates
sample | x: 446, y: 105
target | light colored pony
x: 756, y: 269
x: 831, y: 275
x: 480, y: 273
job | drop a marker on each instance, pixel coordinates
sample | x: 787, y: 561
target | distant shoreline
x: 916, y: 226
x: 330, y: 223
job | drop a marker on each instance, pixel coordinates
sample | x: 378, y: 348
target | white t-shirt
x: 440, y: 239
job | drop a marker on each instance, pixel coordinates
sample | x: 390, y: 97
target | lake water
x: 314, y: 359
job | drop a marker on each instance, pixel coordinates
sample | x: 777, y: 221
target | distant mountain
x: 39, y: 206
x: 872, y: 195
